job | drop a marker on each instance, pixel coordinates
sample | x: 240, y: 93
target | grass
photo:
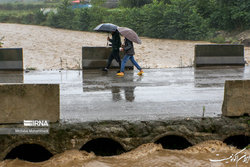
x: 218, y: 39
x: 30, y: 68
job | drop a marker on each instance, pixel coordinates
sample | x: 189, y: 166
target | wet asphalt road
x: 93, y: 95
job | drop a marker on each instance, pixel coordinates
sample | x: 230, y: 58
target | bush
x: 39, y: 17
x: 82, y: 19
x: 52, y: 20
x: 1, y: 43
x: 65, y: 15
x: 96, y: 16
x: 178, y: 20
x: 218, y: 39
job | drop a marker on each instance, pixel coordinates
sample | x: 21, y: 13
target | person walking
x: 116, y: 44
x: 128, y: 48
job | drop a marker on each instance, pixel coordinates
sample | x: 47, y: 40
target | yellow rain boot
x: 140, y: 73
x: 120, y: 74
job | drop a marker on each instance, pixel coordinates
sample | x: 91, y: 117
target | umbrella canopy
x: 129, y: 34
x: 106, y: 27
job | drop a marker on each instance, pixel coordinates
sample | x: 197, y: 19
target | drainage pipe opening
x: 29, y: 152
x: 174, y: 142
x: 239, y: 141
x: 103, y: 147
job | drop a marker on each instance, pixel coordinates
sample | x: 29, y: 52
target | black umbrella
x: 106, y: 27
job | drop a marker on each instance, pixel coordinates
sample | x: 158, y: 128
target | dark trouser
x: 114, y: 55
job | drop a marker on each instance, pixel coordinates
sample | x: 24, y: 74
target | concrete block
x: 219, y: 54
x: 11, y: 76
x: 93, y: 53
x: 29, y: 102
x: 236, y: 98
x: 11, y: 59
x: 97, y: 57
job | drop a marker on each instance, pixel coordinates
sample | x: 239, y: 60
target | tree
x: 231, y: 15
x: 83, y: 17
x: 65, y: 15
x: 39, y: 17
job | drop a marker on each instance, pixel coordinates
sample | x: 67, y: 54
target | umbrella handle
x: 107, y: 40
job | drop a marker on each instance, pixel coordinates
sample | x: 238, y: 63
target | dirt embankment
x: 49, y: 48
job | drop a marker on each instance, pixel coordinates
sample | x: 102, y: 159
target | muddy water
x: 148, y: 155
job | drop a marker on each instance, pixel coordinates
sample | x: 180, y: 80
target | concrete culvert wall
x: 239, y: 141
x: 174, y: 142
x: 103, y: 147
x: 114, y: 137
x: 29, y: 152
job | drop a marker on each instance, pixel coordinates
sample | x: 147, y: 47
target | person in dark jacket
x: 116, y: 44
x: 128, y: 48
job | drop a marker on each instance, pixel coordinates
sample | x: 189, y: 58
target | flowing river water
x: 149, y: 155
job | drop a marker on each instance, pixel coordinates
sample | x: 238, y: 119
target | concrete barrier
x: 11, y: 59
x: 236, y: 98
x: 97, y: 57
x: 29, y: 102
x: 219, y: 54
x: 11, y: 76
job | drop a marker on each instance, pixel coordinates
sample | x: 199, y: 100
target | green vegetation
x: 1, y: 43
x: 25, y: 13
x: 218, y: 39
x: 30, y: 68
x: 173, y: 19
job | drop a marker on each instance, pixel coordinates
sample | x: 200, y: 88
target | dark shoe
x: 118, y: 71
x: 105, y: 69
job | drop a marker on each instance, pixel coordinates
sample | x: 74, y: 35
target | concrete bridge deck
x: 93, y: 95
